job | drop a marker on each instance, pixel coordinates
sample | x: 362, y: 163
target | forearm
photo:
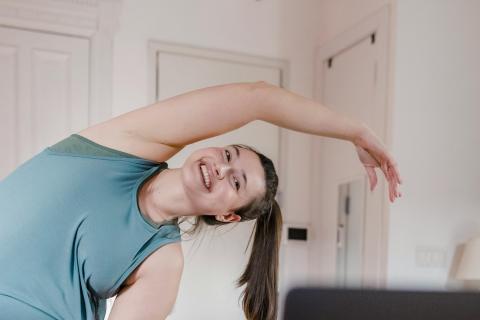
x: 292, y: 111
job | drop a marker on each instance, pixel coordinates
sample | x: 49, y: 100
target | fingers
x: 384, y: 168
x: 394, y: 166
x: 397, y: 174
x: 372, y: 177
x: 393, y: 184
x: 390, y: 176
x: 387, y: 164
x: 393, y: 177
x: 392, y: 188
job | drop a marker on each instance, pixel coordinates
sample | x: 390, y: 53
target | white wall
x: 434, y: 93
x: 433, y: 90
x: 436, y: 135
x: 273, y: 28
x: 278, y: 29
x: 334, y: 19
x: 336, y: 16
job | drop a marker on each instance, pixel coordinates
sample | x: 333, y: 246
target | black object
x: 354, y: 304
x: 298, y: 234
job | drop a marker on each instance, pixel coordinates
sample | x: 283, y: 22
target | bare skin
x: 159, y: 131
x: 182, y: 192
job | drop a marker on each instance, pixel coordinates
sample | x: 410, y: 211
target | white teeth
x: 206, y: 177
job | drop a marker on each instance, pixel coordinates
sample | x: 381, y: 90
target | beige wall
x: 336, y: 18
x: 434, y: 97
x: 433, y: 92
x: 436, y: 136
x: 278, y: 29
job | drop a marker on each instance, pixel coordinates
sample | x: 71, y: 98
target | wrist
x: 358, y: 133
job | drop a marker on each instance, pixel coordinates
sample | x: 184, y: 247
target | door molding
x: 95, y: 20
x: 376, y: 237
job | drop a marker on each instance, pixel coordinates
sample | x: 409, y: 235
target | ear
x: 228, y: 217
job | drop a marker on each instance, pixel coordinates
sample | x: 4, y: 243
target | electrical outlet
x: 430, y: 257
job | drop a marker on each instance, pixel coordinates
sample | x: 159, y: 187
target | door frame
x: 375, y: 255
x: 95, y: 20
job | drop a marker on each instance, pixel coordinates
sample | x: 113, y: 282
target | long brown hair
x: 260, y: 296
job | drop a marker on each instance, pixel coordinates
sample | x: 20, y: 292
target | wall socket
x: 430, y: 257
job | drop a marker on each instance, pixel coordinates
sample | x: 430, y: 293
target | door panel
x: 44, y: 92
x: 8, y: 102
x: 351, y: 84
x: 220, y: 257
x: 348, y: 88
x: 178, y: 73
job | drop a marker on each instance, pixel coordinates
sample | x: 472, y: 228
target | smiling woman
x: 261, y: 273
x: 112, y: 206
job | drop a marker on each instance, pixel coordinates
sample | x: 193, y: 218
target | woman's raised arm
x: 208, y: 112
x: 160, y: 130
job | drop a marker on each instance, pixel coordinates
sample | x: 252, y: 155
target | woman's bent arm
x: 185, y: 118
x: 292, y: 111
x: 212, y: 111
x: 208, y: 112
x: 162, y: 129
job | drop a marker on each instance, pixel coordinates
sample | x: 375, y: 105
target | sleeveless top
x: 71, y: 231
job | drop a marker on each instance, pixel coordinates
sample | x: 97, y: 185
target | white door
x: 350, y: 233
x: 352, y: 82
x: 220, y: 257
x: 216, y: 259
x: 44, y: 85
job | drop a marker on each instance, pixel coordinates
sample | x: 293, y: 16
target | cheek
x: 190, y: 179
x: 222, y: 197
x: 194, y: 187
x: 227, y: 197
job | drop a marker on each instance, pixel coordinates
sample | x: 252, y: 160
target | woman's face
x: 235, y: 175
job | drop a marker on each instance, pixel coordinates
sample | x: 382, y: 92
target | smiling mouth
x: 207, y: 183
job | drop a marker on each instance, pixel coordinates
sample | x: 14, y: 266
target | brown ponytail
x: 260, y: 299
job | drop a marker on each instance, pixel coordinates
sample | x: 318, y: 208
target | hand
x: 373, y: 154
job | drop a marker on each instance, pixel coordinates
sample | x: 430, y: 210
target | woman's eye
x: 228, y: 155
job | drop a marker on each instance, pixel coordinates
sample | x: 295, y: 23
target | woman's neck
x: 162, y: 198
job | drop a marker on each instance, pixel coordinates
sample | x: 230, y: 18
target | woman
x: 96, y: 215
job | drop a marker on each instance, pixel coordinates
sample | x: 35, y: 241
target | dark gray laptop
x: 354, y: 304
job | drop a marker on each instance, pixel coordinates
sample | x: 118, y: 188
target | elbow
x: 262, y: 92
x: 259, y: 85
x: 256, y: 87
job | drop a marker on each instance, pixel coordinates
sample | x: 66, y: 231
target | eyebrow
x: 243, y: 172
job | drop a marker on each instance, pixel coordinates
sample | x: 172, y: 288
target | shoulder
x: 166, y: 260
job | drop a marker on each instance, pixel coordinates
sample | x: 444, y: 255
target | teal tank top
x: 71, y: 231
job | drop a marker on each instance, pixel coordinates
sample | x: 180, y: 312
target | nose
x: 222, y: 170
